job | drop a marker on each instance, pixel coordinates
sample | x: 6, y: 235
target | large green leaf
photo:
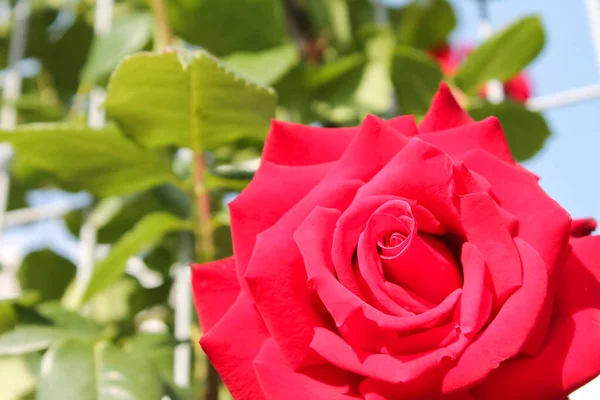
x: 503, y: 55
x: 47, y: 273
x: 161, y: 100
x: 424, y: 24
x: 102, y: 162
x: 28, y: 338
x: 265, y: 67
x: 95, y: 371
x: 227, y: 26
x: 143, y: 235
x: 416, y: 78
x: 526, y: 131
x: 130, y: 33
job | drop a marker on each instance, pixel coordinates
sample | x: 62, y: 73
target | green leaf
x: 143, y: 235
x: 99, y: 371
x: 100, y: 161
x: 130, y: 33
x: 416, y: 78
x: 503, y: 55
x: 228, y: 26
x: 424, y: 24
x: 526, y: 131
x: 375, y: 90
x: 47, y: 273
x: 29, y: 338
x: 160, y: 100
x: 265, y: 67
x: 67, y: 320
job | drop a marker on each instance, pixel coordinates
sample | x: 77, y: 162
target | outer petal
x: 506, y: 334
x: 583, y: 227
x: 295, y: 144
x: 233, y: 344
x: 215, y: 287
x: 571, y: 354
x: 444, y: 113
x: 486, y: 135
x: 270, y: 195
x: 321, y: 382
x: 543, y: 223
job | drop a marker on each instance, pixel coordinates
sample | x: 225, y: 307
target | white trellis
x: 96, y: 119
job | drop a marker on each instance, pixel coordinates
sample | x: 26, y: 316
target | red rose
x: 392, y: 261
x: 448, y: 58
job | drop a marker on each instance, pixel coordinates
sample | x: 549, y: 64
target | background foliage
x: 185, y: 129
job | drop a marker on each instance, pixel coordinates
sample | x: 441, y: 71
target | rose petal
x: 494, y: 242
x: 571, y: 353
x: 543, y: 223
x: 232, y: 357
x: 486, y: 135
x: 583, y: 227
x: 277, y: 278
x: 425, y: 389
x: 404, y: 124
x: 444, y: 113
x: 350, y: 313
x: 296, y: 144
x: 385, y: 367
x: 420, y: 172
x: 320, y: 382
x: 215, y: 288
x: 505, y: 336
x: 476, y: 300
x: 275, y: 275
x: 276, y: 193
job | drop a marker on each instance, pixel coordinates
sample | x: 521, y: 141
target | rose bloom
x: 448, y: 58
x: 396, y: 261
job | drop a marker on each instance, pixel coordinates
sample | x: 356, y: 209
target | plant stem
x: 204, y: 236
x: 163, y: 33
x: 206, y: 249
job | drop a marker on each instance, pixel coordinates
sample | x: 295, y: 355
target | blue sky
x: 569, y: 163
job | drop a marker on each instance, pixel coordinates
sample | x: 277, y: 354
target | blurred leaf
x: 28, y: 338
x: 424, y: 24
x: 416, y: 78
x: 228, y: 26
x: 503, y: 55
x: 82, y: 371
x: 143, y: 235
x: 100, y: 161
x: 130, y: 33
x: 265, y: 67
x: 113, y: 305
x: 526, y: 131
x: 47, y: 273
x: 334, y: 87
x: 159, y: 349
x: 160, y: 101
x: 376, y: 90
x: 66, y: 319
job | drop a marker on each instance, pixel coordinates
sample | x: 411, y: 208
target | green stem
x: 163, y: 34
